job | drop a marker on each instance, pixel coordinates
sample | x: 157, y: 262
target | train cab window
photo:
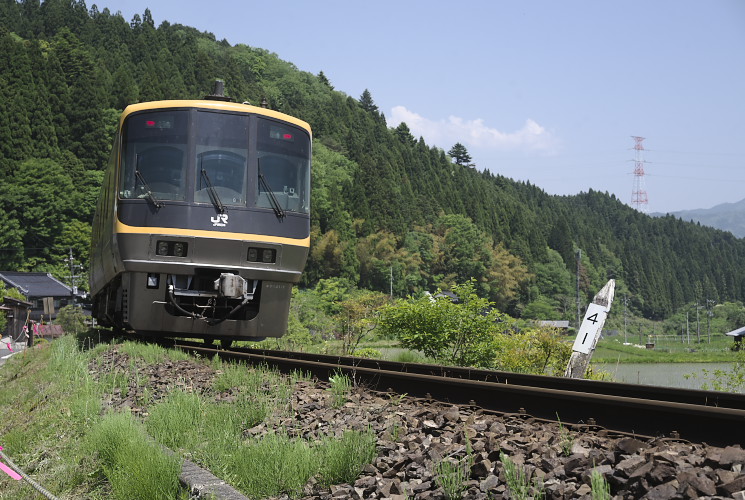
x: 284, y: 167
x: 154, y: 156
x: 222, y: 152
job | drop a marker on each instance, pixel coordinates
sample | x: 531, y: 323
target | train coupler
x: 233, y: 286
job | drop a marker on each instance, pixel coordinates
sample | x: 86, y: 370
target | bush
x: 71, y: 319
x: 459, y: 333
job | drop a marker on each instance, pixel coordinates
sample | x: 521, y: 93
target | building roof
x: 34, y: 285
x: 11, y: 301
x: 737, y: 333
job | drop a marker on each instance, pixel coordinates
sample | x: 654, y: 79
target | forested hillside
x: 727, y: 216
x: 385, y: 204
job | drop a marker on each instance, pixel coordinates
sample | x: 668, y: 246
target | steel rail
x: 639, y: 416
x: 673, y: 395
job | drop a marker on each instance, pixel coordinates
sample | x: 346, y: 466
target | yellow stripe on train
x: 120, y: 228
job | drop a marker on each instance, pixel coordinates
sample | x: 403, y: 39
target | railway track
x: 642, y: 411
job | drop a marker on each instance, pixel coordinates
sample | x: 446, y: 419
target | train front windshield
x: 191, y: 155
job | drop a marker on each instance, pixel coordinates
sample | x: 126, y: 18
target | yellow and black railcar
x: 203, y: 224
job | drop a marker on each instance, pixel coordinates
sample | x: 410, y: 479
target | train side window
x: 155, y: 146
x: 222, y: 150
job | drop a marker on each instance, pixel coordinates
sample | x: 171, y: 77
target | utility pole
x: 641, y: 341
x: 625, y: 303
x: 73, y: 267
x: 698, y: 325
x: 391, y: 282
x: 709, y: 314
x: 579, y: 306
x: 688, y: 332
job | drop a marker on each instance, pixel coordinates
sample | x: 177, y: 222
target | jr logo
x: 220, y: 220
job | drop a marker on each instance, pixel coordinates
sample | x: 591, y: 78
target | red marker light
x: 287, y: 137
x: 150, y: 123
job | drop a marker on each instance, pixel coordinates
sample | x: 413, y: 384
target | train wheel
x: 226, y: 343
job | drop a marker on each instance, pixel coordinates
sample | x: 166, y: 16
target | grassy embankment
x: 56, y: 428
x: 667, y: 350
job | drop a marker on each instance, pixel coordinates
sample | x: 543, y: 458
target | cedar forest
x: 386, y: 207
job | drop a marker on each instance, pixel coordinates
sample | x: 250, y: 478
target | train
x: 202, y: 226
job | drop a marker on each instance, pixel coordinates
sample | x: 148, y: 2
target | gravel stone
x: 414, y: 435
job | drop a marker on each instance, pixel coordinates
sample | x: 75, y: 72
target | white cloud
x: 445, y: 133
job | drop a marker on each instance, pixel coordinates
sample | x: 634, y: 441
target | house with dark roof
x: 738, y: 336
x: 39, y: 288
x: 16, y: 312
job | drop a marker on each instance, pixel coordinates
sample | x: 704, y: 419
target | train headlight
x: 162, y: 248
x: 263, y: 255
x: 171, y: 248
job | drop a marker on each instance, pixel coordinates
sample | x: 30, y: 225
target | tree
x: 324, y: 80
x: 72, y: 319
x: 453, y: 333
x: 40, y: 194
x: 358, y: 317
x: 460, y: 155
x: 367, y: 103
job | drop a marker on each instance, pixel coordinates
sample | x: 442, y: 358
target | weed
x: 342, y: 459
x: 395, y: 399
x: 600, y: 487
x: 269, y: 466
x: 394, y: 430
x: 566, y: 440
x: 341, y: 386
x: 135, y: 466
x: 367, y: 352
x: 452, y: 476
x: 408, y: 357
x: 517, y: 481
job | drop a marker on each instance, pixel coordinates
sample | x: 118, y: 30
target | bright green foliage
x: 272, y: 465
x: 341, y: 387
x: 600, y: 487
x: 460, y: 333
x: 452, y: 476
x: 539, y: 350
x: 342, y: 459
x: 518, y: 485
x: 367, y: 352
x: 471, y: 333
x: 358, y: 317
x: 135, y: 466
x: 71, y: 319
x: 732, y: 380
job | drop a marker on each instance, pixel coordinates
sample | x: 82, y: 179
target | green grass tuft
x: 135, y: 466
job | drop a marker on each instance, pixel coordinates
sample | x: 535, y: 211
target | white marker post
x: 589, y: 332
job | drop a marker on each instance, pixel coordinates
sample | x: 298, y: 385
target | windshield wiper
x: 148, y: 192
x: 272, y: 199
x: 214, y: 197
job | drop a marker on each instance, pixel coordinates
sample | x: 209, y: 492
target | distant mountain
x: 727, y: 216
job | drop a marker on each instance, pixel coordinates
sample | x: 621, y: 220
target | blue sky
x: 544, y: 91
